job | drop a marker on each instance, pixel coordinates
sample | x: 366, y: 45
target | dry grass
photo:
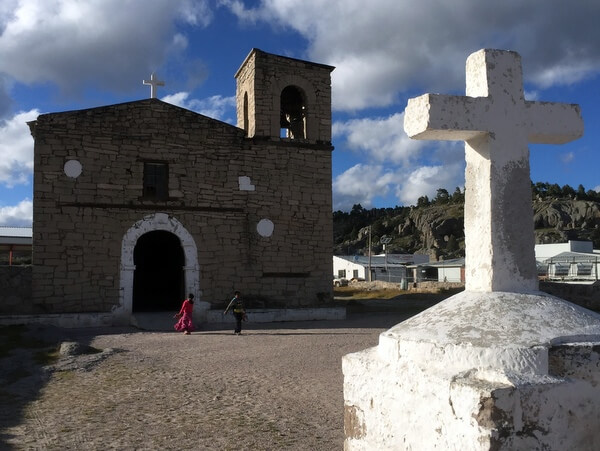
x: 355, y: 292
x: 387, y: 291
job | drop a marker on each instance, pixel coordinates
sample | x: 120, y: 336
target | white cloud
x: 20, y: 215
x: 383, y: 139
x: 105, y: 42
x: 383, y: 49
x: 393, y: 163
x: 567, y: 157
x: 359, y: 185
x: 216, y: 107
x: 248, y: 15
x: 16, y: 149
x: 195, y: 12
x: 426, y: 180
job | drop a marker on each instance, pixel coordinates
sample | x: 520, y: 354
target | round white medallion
x: 265, y: 227
x: 73, y: 168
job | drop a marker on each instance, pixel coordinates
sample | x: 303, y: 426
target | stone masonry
x: 263, y: 76
x: 222, y: 183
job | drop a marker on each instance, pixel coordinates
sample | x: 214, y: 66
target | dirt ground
x: 277, y: 386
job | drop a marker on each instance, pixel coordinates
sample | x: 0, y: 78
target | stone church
x: 138, y: 204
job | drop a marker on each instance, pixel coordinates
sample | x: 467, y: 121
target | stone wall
x: 435, y: 287
x: 80, y: 222
x: 585, y: 295
x: 15, y: 290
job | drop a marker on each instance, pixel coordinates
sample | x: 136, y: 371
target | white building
x: 14, y: 241
x: 575, y: 261
x: 390, y: 268
x: 573, y: 266
x: 545, y: 251
x: 441, y: 271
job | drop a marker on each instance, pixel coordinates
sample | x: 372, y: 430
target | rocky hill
x: 437, y: 228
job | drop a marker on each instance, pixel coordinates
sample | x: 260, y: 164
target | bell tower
x: 284, y: 98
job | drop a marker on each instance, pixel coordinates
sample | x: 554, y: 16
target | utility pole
x: 385, y: 240
x: 369, y: 278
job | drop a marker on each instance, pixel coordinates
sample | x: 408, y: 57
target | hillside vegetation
x: 436, y: 227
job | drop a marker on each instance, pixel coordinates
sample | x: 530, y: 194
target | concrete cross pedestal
x: 500, y: 365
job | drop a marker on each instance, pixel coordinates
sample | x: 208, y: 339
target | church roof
x: 151, y: 103
x: 262, y: 53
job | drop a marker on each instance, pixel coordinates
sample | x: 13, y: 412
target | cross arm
x: 445, y: 117
x: 554, y: 123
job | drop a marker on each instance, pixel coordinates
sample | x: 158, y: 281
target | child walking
x: 185, y: 316
x: 237, y: 306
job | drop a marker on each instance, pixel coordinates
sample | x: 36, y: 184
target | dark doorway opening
x: 158, y: 280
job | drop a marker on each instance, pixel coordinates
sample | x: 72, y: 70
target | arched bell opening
x: 293, y: 113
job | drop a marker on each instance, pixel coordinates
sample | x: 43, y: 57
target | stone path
x: 278, y: 386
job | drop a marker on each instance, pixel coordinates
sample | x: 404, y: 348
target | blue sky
x: 58, y: 55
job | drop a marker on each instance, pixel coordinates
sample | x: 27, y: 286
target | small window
x: 246, y: 126
x: 156, y: 180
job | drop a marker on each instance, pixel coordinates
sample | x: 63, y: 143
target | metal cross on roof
x: 153, y: 82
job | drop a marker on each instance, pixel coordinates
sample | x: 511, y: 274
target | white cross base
x: 153, y: 82
x: 496, y: 123
x: 492, y: 367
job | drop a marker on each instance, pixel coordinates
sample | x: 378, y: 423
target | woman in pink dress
x: 185, y: 316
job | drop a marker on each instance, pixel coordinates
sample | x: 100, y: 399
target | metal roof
x: 379, y: 260
x: 442, y: 263
x: 16, y: 231
x: 16, y: 235
x: 454, y: 262
x: 573, y: 257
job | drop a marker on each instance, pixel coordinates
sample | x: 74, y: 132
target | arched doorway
x: 154, y: 222
x: 158, y: 280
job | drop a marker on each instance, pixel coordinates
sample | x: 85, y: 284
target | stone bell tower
x: 280, y: 97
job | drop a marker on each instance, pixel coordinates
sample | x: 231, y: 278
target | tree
x: 442, y: 196
x: 423, y: 201
x: 458, y: 197
x: 593, y: 195
x: 568, y: 191
x: 357, y: 210
x: 554, y: 190
x: 540, y: 189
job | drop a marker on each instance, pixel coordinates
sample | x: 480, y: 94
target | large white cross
x: 496, y: 123
x: 153, y: 82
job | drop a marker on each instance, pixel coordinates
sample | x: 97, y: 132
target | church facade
x: 140, y: 203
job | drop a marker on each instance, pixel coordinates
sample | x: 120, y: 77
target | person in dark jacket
x: 236, y: 305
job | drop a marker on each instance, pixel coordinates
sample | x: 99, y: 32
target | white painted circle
x: 265, y: 227
x: 73, y: 168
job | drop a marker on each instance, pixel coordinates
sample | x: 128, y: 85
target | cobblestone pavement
x: 275, y: 387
